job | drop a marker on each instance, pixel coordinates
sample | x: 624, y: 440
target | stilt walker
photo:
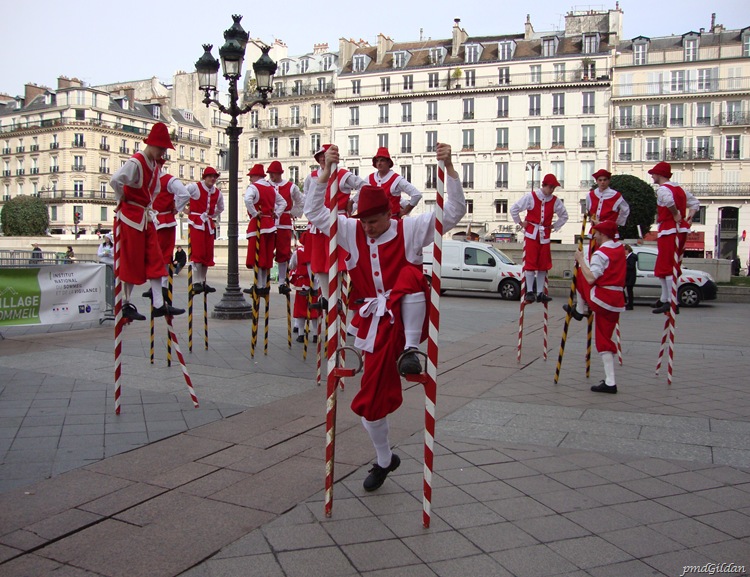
x: 569, y: 305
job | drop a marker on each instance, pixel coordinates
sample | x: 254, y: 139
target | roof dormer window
x: 327, y: 62
x: 359, y: 63
x: 506, y: 49
x: 400, y: 59
x: 437, y: 55
x: 745, y: 36
x: 283, y: 67
x: 690, y: 43
x: 549, y: 46
x: 472, y: 52
x: 304, y: 64
x: 640, y: 50
x: 590, y: 43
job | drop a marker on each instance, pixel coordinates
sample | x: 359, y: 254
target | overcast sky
x: 103, y: 42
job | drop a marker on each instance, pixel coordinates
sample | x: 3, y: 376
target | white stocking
x: 529, y: 280
x: 378, y: 431
x: 664, y: 290
x: 540, y: 276
x: 413, y: 309
x: 158, y: 298
x: 608, y: 360
x: 127, y: 289
x: 283, y: 270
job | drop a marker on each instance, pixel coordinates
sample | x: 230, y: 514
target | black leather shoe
x: 664, y: 308
x: 301, y: 339
x: 168, y: 310
x: 208, y: 289
x: 197, y: 288
x: 377, y: 475
x: 146, y: 294
x: 321, y: 305
x: 603, y: 387
x: 130, y: 312
x: 657, y: 304
x: 530, y: 297
x: 284, y: 289
x: 409, y: 363
x: 295, y: 330
x: 543, y: 298
x: 573, y: 312
x: 248, y: 291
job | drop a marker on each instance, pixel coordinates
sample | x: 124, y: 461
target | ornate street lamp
x: 233, y: 304
x: 533, y: 166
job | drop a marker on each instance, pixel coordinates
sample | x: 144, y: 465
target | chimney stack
x: 31, y: 91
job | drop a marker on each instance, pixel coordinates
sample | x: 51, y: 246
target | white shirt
x: 526, y: 202
x: 195, y: 193
x: 622, y: 207
x: 131, y: 174
x: 252, y: 195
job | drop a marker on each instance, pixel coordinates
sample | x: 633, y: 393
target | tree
x: 24, y: 216
x: 642, y: 200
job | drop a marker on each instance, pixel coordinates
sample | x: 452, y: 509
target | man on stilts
x: 540, y: 206
x: 385, y: 264
x: 294, y: 200
x: 205, y: 208
x: 136, y: 185
x: 394, y: 184
x: 604, y: 203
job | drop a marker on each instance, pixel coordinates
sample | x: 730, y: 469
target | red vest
x: 387, y: 185
x: 135, y: 201
x: 264, y: 205
x: 541, y: 214
x: 664, y: 217
x: 607, y: 290
x: 204, y: 203
x: 605, y: 211
x: 164, y: 204
x: 285, y: 190
x: 343, y: 197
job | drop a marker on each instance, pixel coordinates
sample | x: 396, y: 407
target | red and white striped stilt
x: 332, y: 338
x: 430, y: 388
x: 618, y: 339
x: 180, y: 358
x: 118, y: 317
x: 524, y: 288
x: 667, y: 340
x: 546, y: 318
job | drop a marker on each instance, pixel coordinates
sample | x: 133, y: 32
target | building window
x: 273, y: 147
x: 502, y: 106
x: 691, y: 49
x: 558, y: 103
x: 502, y: 138
x: 382, y: 113
x: 505, y: 50
x: 468, y: 139
x: 472, y: 54
x: 640, y: 54
x: 52, y: 209
x: 315, y: 114
x: 535, y: 136
x: 503, y: 76
x: 356, y: 86
x: 589, y: 139
x: 467, y: 171
x: 294, y: 174
x: 406, y: 143
x: 733, y: 115
x: 322, y: 85
x: 78, y: 141
x: 273, y: 117
x: 383, y: 140
x: 253, y: 148
x: 327, y: 62
x: 626, y: 149
x: 405, y: 170
x: 354, y: 146
x: 535, y: 104
x: 283, y: 68
x: 354, y: 116
x: 399, y: 59
x: 437, y: 55
x: 294, y: 146
x: 558, y: 169
x: 408, y: 82
x: 432, y: 110
x: 703, y: 147
x: 294, y: 115
x: 470, y: 78
x: 703, y: 114
x: 406, y: 112
x: 653, y: 146
x: 469, y: 206
x: 653, y: 115
x: 501, y: 180
x: 732, y: 148
x: 385, y: 84
x: 433, y: 80
x: 78, y: 188
x: 588, y: 102
x: 468, y: 109
x: 677, y: 81
x: 549, y: 46
x: 704, y: 79
x: 304, y: 65
x: 431, y: 140
x: 431, y: 175
x: 590, y: 43
x: 314, y: 143
x: 558, y: 137
x: 535, y: 73
x: 253, y: 119
x: 676, y: 114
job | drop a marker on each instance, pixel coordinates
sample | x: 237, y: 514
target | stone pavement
x: 531, y: 478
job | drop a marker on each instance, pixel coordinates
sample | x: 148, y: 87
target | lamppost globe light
x: 237, y: 32
x: 207, y: 68
x: 232, y: 56
x: 264, y: 69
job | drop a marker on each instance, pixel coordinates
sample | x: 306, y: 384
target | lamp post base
x: 232, y: 306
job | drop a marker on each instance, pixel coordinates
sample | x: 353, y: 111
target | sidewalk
x: 531, y: 478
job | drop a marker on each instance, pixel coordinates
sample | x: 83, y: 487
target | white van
x: 476, y: 266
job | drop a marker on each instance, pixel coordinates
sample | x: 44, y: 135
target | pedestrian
x: 36, y: 254
x: 604, y: 203
x: 179, y: 260
x: 736, y: 266
x: 631, y: 273
x: 599, y: 286
x: 136, y: 184
x: 675, y: 208
x: 540, y: 206
x: 205, y: 209
x: 261, y: 199
x: 299, y: 265
x: 385, y: 264
x: 70, y: 256
x: 394, y: 184
x: 295, y: 202
x: 106, y: 251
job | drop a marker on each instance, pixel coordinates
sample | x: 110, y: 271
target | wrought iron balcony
x: 688, y: 154
x: 738, y: 188
x: 103, y: 146
x: 734, y: 119
x: 501, y: 184
x: 639, y: 122
x: 78, y: 168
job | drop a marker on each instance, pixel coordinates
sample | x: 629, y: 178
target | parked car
x: 476, y: 266
x: 693, y: 286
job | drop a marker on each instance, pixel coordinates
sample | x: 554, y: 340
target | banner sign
x: 52, y: 294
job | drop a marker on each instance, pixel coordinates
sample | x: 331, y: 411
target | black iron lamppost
x: 233, y: 304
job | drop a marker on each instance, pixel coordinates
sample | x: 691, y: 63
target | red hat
x: 662, y: 169
x: 602, y: 172
x: 550, y: 180
x: 321, y: 150
x: 257, y: 170
x: 210, y: 172
x: 159, y: 136
x: 607, y: 228
x: 275, y: 166
x: 372, y: 200
x: 382, y: 153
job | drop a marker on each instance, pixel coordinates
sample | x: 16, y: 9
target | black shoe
x: 146, y: 294
x: 168, y: 310
x: 530, y: 297
x: 295, y: 330
x: 284, y: 289
x: 657, y: 304
x: 664, y: 308
x: 543, y: 298
x: 573, y: 312
x: 248, y: 291
x: 629, y: 307
x: 197, y: 288
x: 603, y: 387
x: 409, y: 363
x: 321, y: 305
x: 301, y: 339
x: 130, y: 312
x: 377, y: 475
x: 208, y: 289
